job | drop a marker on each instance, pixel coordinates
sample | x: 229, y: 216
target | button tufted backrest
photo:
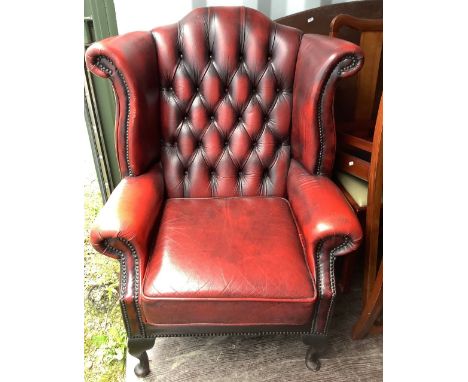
x: 226, y: 76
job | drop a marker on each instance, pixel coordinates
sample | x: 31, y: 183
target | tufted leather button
x: 212, y: 173
x: 186, y: 172
x: 218, y: 101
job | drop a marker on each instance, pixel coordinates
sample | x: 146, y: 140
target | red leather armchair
x: 225, y: 221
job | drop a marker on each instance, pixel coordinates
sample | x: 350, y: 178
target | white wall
x: 140, y: 15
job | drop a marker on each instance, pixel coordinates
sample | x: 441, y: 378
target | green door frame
x: 99, y: 23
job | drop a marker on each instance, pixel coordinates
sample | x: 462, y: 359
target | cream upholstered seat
x: 356, y: 187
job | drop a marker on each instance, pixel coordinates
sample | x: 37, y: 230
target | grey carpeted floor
x: 268, y: 358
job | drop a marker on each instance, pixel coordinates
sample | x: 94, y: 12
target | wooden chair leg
x: 371, y: 310
x: 376, y: 329
x: 370, y: 259
x: 137, y: 347
x: 317, y: 344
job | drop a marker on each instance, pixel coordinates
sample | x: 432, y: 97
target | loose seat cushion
x: 356, y: 187
x: 235, y: 261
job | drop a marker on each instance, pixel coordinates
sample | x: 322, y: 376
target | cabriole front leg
x: 137, y: 347
x: 317, y: 345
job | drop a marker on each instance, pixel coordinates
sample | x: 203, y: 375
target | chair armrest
x: 321, y: 61
x: 123, y: 230
x: 125, y: 223
x: 130, y: 62
x: 328, y: 227
x: 322, y: 212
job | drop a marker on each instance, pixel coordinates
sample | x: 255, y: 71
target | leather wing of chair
x: 225, y: 221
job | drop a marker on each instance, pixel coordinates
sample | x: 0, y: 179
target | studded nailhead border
x: 100, y: 64
x: 331, y: 275
x: 227, y: 334
x: 354, y: 62
x: 142, y: 334
x: 135, y: 287
x: 340, y: 68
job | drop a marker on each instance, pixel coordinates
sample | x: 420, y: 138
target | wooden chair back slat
x: 357, y: 23
x: 344, y: 139
x: 371, y: 44
x: 371, y: 41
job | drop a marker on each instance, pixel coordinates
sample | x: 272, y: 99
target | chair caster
x: 312, y: 360
x: 142, y: 368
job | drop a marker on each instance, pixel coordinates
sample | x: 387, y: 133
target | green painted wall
x: 101, y: 23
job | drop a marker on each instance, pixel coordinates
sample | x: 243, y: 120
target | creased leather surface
x: 210, y: 109
x: 226, y: 97
x: 320, y: 62
x: 124, y: 229
x: 328, y: 228
x: 321, y: 209
x: 228, y: 260
x: 130, y: 213
x: 137, y: 129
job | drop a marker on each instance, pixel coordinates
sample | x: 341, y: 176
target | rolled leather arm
x: 130, y: 62
x: 321, y: 61
x: 322, y: 212
x: 125, y: 223
x: 328, y: 228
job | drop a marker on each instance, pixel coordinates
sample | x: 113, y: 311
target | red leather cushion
x: 226, y: 76
x: 236, y: 261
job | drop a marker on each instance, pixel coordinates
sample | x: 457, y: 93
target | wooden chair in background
x: 355, y: 128
x: 367, y: 86
x: 373, y: 280
x: 365, y: 184
x: 358, y: 165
